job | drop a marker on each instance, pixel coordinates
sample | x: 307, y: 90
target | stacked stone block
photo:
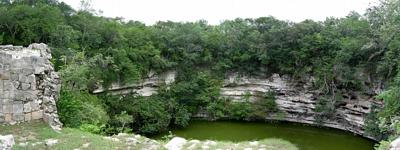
x: 29, y: 87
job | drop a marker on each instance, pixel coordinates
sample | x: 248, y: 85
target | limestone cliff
x: 298, y: 100
x: 29, y: 86
x: 146, y: 87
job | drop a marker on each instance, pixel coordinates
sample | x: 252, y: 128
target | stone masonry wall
x: 29, y: 86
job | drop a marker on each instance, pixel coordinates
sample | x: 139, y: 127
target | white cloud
x: 214, y: 11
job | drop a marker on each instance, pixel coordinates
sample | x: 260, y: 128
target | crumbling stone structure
x: 29, y: 86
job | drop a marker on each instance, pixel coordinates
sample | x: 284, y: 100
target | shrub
x: 239, y: 110
x: 383, y: 145
x: 372, y: 123
x: 196, y: 91
x: 217, y: 109
x: 262, y: 107
x: 124, y: 119
x: 151, y: 115
x: 90, y: 128
x: 324, y: 109
x: 77, y: 108
x: 181, y: 116
x: 269, y: 102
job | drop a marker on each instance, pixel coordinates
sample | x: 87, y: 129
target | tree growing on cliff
x: 354, y: 53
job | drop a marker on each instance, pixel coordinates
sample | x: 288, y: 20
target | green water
x: 303, y: 136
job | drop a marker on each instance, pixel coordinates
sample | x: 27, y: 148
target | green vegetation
x: 265, y: 106
x: 325, y: 108
x: 77, y: 108
x: 359, y: 52
x: 239, y: 110
x: 33, y: 136
x: 387, y: 122
x: 302, y: 136
x: 257, y: 110
x: 68, y: 138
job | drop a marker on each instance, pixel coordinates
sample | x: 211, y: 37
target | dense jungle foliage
x: 359, y: 52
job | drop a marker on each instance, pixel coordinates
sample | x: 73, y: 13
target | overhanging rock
x: 29, y: 86
x: 297, y: 101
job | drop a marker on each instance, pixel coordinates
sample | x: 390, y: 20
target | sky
x: 215, y: 11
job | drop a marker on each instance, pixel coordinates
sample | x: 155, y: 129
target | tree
x: 123, y: 119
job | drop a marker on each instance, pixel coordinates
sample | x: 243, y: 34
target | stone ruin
x: 29, y: 86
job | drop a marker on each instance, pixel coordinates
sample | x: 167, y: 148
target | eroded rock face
x: 29, y: 86
x: 298, y: 101
x: 146, y: 87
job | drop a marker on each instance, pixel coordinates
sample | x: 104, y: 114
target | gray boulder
x: 176, y: 143
x: 51, y: 142
x: 395, y: 145
x: 6, y: 142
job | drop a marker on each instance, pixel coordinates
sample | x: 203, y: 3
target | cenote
x: 305, y: 137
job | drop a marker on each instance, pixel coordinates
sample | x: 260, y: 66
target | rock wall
x: 29, y: 86
x: 146, y: 87
x: 296, y: 101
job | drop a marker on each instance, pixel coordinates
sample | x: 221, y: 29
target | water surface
x: 303, y: 136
